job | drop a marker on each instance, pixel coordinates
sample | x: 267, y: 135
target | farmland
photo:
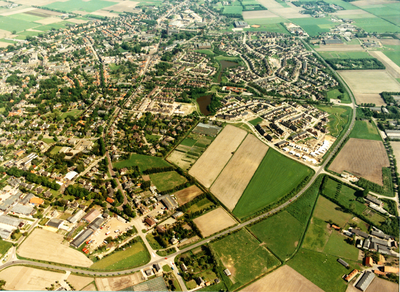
x: 276, y: 176
x: 326, y: 210
x: 118, y: 283
x: 4, y: 247
x: 237, y: 174
x: 214, y: 221
x: 144, y: 162
x: 167, y: 180
x: 188, y: 194
x: 243, y: 256
x: 314, y: 26
x: 134, y: 256
x: 363, y: 158
x: 200, y: 205
x: 283, y: 279
x: 79, y: 282
x: 338, y: 118
x: 365, y: 130
x: 345, y: 55
x: 217, y: 155
x: 80, y: 5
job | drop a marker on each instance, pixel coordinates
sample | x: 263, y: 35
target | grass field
x: 378, y: 25
x: 80, y: 5
x: 55, y: 150
x: 134, y: 256
x: 335, y: 93
x: 73, y: 113
x: 167, y: 180
x: 271, y: 24
x: 206, y: 52
x: 201, y: 205
x: 281, y: 233
x: 10, y: 24
x: 232, y: 10
x: 144, y: 162
x: 242, y: 254
x: 275, y: 177
x: 314, y: 26
x: 336, y: 246
x: 345, y: 55
x: 4, y: 247
x: 152, y: 241
x: 326, y: 210
x: 393, y: 52
x: 338, y: 118
x: 365, y: 130
x: 256, y: 121
x: 317, y: 235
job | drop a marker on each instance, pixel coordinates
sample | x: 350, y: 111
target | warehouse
x: 10, y: 221
x: 76, y: 217
x: 55, y: 223
x: 96, y: 223
x: 91, y: 215
x: 81, y: 238
x: 22, y: 209
x: 365, y: 281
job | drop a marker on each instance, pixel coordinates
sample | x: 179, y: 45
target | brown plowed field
x: 79, y: 282
x: 214, y: 221
x: 363, y: 158
x: 235, y: 177
x: 118, y: 283
x: 283, y: 279
x: 214, y: 159
x: 188, y: 194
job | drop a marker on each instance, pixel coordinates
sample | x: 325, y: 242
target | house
x: 149, y: 272
x: 342, y: 262
x: 227, y: 272
x: 174, y: 240
x: 55, y: 223
x: 365, y: 281
x: 157, y: 267
x: 36, y: 201
x: 369, y: 262
x: 161, y: 229
x: 109, y: 200
x: 350, y: 276
x: 150, y: 221
x: 183, y: 267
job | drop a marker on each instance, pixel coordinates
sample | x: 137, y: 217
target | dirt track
x: 214, y: 221
x: 363, y: 158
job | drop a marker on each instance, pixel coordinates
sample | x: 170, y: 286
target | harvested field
x: 217, y: 155
x: 49, y: 20
x: 124, y: 6
x: 43, y: 13
x: 118, y: 283
x: 396, y: 150
x: 283, y: 279
x: 48, y: 246
x: 235, y: 177
x: 391, y: 66
x: 339, y: 48
x: 363, y: 158
x: 367, y: 84
x: 90, y: 287
x: 377, y: 285
x: 77, y: 21
x: 390, y: 42
x: 214, y: 221
x: 257, y: 14
x: 188, y: 194
x: 79, y: 282
x: 24, y: 278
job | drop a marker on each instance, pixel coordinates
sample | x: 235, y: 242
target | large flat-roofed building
x: 10, y: 220
x: 203, y: 46
x: 240, y: 24
x: 96, y: 223
x: 76, y: 217
x: 91, y: 215
x: 81, y: 238
x: 168, y: 202
x: 365, y: 281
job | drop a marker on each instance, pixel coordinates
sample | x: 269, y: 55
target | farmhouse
x: 365, y: 281
x: 374, y: 200
x: 369, y: 262
x: 81, y: 238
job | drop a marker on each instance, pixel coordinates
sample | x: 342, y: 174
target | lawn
x: 281, y: 233
x: 144, y: 162
x: 335, y: 93
x: 338, y: 118
x: 73, y: 113
x: 80, y: 5
x: 326, y: 210
x: 48, y: 140
x: 152, y: 241
x: 55, y: 150
x: 336, y: 246
x: 134, y: 256
x: 167, y: 180
x: 4, y: 247
x: 256, y: 121
x: 242, y: 254
x: 321, y: 269
x: 275, y: 177
x: 317, y: 235
x: 365, y: 130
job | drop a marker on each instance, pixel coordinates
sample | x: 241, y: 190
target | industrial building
x: 81, y: 237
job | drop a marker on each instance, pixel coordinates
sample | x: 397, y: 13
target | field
x: 167, y: 180
x: 242, y: 254
x: 188, y: 194
x: 80, y: 5
x: 338, y: 247
x: 326, y: 210
x: 134, y: 256
x: 365, y: 130
x: 281, y: 233
x: 4, y: 247
x: 276, y: 176
x: 200, y: 205
x: 363, y: 158
x: 74, y: 113
x: 214, y: 221
x: 314, y: 26
x: 396, y: 150
x: 237, y: 174
x: 217, y: 155
x: 391, y: 66
x: 24, y: 278
x: 317, y: 235
x: 321, y: 269
x: 54, y: 251
x: 283, y: 279
x: 392, y: 51
x: 144, y: 162
x: 272, y: 24
x: 335, y: 93
x: 375, y: 24
x: 377, y: 285
x: 338, y: 118
x: 79, y: 282
x: 256, y: 121
x: 367, y: 84
x: 118, y: 283
x: 345, y: 55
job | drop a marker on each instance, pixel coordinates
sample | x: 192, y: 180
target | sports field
x: 214, y: 221
x: 133, y: 256
x: 276, y: 176
x: 237, y: 174
x: 365, y: 130
x: 242, y: 254
x: 338, y: 118
x: 167, y: 180
x: 144, y: 162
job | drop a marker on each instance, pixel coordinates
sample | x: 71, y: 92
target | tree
x: 2, y: 283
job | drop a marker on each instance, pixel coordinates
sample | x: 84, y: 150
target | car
x: 172, y: 268
x: 116, y: 231
x: 107, y: 233
x: 105, y: 241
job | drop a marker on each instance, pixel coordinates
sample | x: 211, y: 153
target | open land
x: 48, y: 246
x: 142, y: 161
x: 365, y: 130
x: 391, y: 66
x: 367, y: 84
x: 237, y: 174
x: 214, y: 221
x: 283, y: 279
x: 217, y: 155
x: 118, y: 283
x: 90, y: 287
x: 79, y: 282
x: 24, y: 278
x: 167, y: 180
x: 326, y: 210
x: 363, y: 158
x: 338, y: 118
x: 257, y: 14
x: 396, y: 150
x: 188, y: 194
x: 276, y: 176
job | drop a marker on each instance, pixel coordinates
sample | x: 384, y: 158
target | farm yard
x: 245, y: 258
x: 118, y: 283
x: 167, y: 180
x: 55, y: 250
x: 276, y: 176
x: 363, y: 158
x: 217, y: 155
x: 144, y: 162
x: 188, y: 194
x: 237, y: 174
x: 214, y: 221
x: 283, y: 279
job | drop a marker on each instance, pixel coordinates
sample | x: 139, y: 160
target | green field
x: 376, y: 25
x: 336, y: 246
x: 275, y: 177
x: 206, y: 52
x: 4, y: 247
x: 200, y: 205
x: 326, y: 210
x: 284, y: 4
x: 188, y: 142
x: 152, y: 241
x: 134, y: 256
x: 338, y: 118
x: 242, y: 253
x: 10, y: 24
x: 55, y: 150
x: 393, y: 52
x: 317, y: 235
x: 365, y: 130
x: 314, y: 26
x: 271, y: 24
x: 336, y: 94
x: 256, y: 121
x: 144, y: 162
x: 80, y: 5
x: 232, y: 10
x: 75, y: 113
x: 321, y: 269
x: 25, y: 17
x: 167, y: 180
x: 281, y: 233
x: 345, y: 55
